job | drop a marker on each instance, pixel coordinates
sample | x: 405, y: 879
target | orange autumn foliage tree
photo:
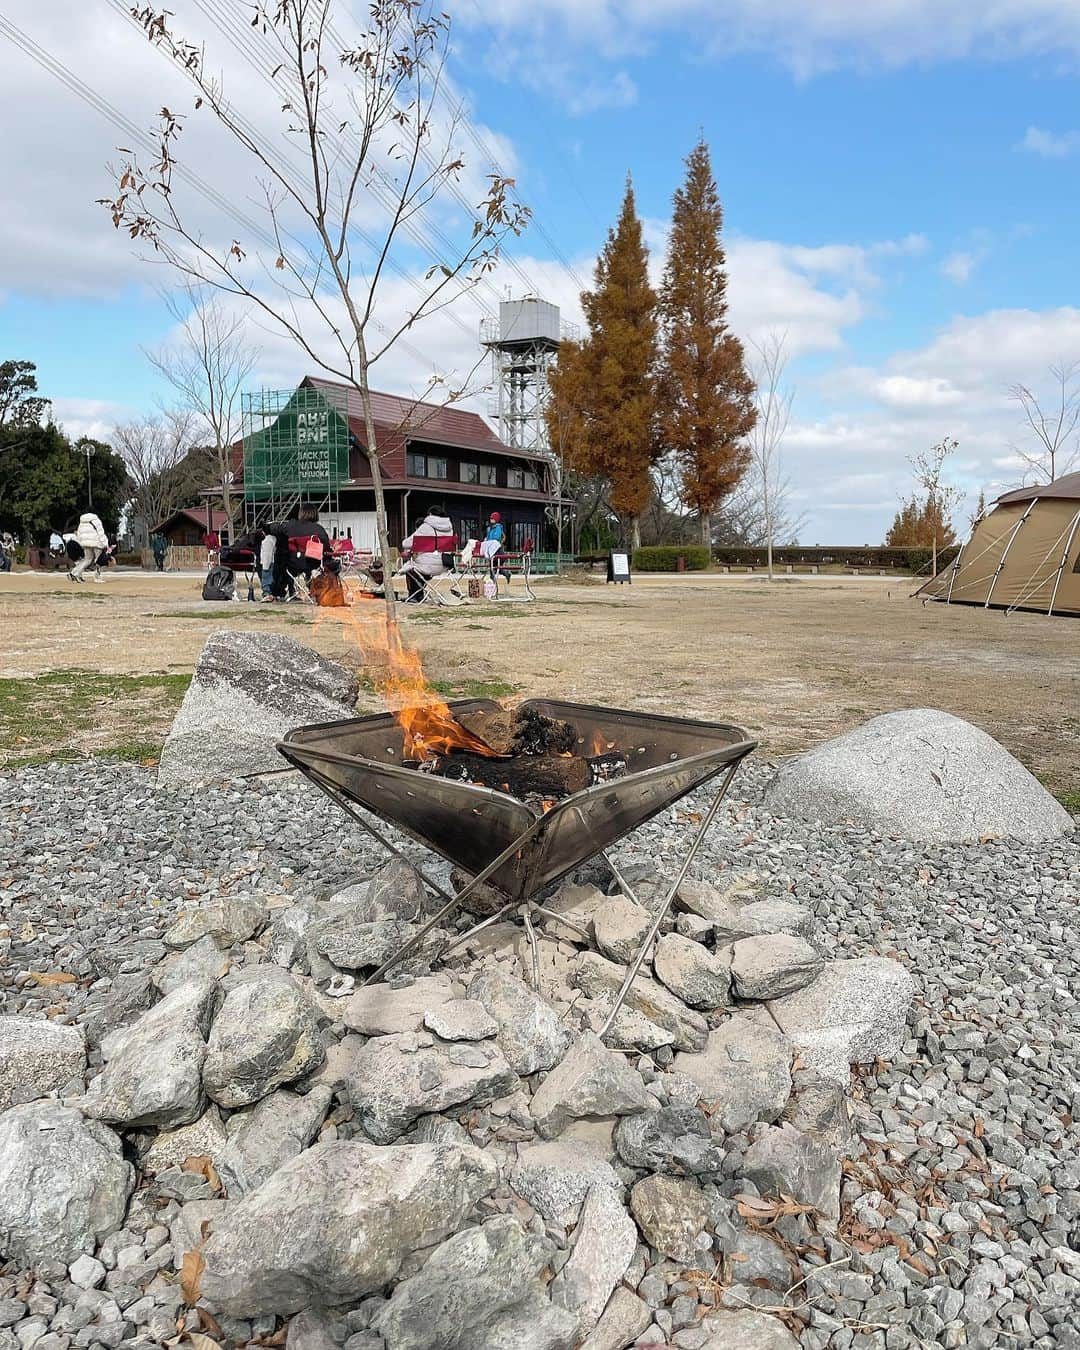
x: 603, y: 407
x: 706, y: 392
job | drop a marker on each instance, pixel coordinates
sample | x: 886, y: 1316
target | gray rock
x: 267, y: 1135
x: 692, y: 972
x: 461, y: 1019
x: 605, y: 1241
x: 154, y: 1071
x: 203, y: 961
x: 333, y: 1072
x: 247, y: 691
x: 381, y: 1010
x: 355, y: 943
x: 820, y: 1107
x: 38, y: 1057
x: 336, y: 1223
x: 555, y: 1176
x: 229, y: 920
x: 203, y: 1138
x: 853, y: 1013
x: 619, y: 926
x: 630, y: 1030
x: 673, y: 1140
x: 714, y: 900
x: 624, y: 1319
x: 759, y: 919
x: 395, y: 892
x: 286, y: 938
x: 770, y: 967
x: 265, y: 1035
x: 64, y: 1184
x: 744, y: 1073
x: 311, y: 1329
x: 590, y: 1080
x: 396, y: 1079
x: 601, y: 979
x: 470, y: 1293
x: 746, y: 1331
x: 784, y: 1161
x: 921, y: 774
x: 670, y: 1211
x: 530, y: 1034
x: 193, y: 1224
x: 86, y: 1272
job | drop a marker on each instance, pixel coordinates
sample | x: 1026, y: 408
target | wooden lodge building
x: 307, y: 445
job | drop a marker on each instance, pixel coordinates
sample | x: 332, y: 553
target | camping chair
x: 504, y: 566
x: 437, y: 590
x: 241, y: 562
x: 304, y: 550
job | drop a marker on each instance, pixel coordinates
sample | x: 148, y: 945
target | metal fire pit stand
x: 526, y: 907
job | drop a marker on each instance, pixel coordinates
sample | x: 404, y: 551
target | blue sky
x: 900, y: 191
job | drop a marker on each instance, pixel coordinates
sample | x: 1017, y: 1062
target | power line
x: 43, y: 58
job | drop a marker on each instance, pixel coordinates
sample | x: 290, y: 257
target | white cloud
x: 959, y: 266
x: 91, y: 417
x: 1049, y: 144
x: 807, y: 38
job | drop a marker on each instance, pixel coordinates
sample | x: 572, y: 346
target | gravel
x: 960, y: 1204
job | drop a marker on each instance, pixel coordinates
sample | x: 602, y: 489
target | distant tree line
x: 48, y: 479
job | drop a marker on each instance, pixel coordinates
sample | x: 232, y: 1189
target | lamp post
x: 87, y: 448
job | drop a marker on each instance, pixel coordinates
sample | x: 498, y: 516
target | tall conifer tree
x: 603, y: 404
x: 706, y: 393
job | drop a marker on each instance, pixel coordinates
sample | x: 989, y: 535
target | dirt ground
x: 794, y: 662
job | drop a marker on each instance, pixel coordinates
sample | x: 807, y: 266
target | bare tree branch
x: 1055, y: 429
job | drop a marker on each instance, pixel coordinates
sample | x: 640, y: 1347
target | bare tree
x: 208, y: 365
x: 1056, y: 429
x: 359, y: 126
x: 773, y: 400
x: 941, y: 497
x: 155, y: 451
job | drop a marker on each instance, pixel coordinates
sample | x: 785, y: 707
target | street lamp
x: 87, y: 448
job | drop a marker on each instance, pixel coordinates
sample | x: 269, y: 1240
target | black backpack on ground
x: 219, y: 584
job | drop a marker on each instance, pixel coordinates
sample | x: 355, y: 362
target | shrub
x: 663, y: 558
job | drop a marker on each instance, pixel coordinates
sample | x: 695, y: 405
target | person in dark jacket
x: 290, y: 560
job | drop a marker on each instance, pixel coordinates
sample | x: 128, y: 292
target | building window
x: 426, y: 466
x: 470, y: 473
x: 519, y: 477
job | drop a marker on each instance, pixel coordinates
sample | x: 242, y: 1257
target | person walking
x: 159, y: 546
x: 91, y: 537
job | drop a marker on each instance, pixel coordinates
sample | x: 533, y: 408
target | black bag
x: 219, y: 584
x: 73, y: 549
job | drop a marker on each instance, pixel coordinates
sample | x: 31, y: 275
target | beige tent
x: 1024, y: 554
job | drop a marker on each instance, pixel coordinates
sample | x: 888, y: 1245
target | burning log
x: 520, y: 732
x: 545, y: 776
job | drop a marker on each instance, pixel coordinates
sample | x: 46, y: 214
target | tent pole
x: 1005, y: 554
x: 955, y: 568
x: 1064, y: 563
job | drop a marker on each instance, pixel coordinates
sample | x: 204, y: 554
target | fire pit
x: 638, y: 764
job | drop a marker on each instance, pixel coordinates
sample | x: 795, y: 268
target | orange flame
x: 600, y: 746
x: 397, y: 674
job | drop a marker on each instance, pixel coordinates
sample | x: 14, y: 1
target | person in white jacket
x: 91, y: 536
x: 433, y: 537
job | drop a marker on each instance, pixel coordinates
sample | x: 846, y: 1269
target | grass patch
x: 474, y: 688
x: 69, y: 714
x: 1070, y: 801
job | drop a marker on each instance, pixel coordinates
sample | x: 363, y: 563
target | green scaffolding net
x: 296, y: 446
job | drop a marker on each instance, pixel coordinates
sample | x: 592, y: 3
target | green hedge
x: 665, y: 557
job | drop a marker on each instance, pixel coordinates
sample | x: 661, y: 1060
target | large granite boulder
x: 336, y: 1222
x: 920, y: 774
x: 744, y: 1073
x: 64, y: 1184
x: 248, y: 690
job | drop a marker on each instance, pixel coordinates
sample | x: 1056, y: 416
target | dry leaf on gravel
x: 191, y: 1269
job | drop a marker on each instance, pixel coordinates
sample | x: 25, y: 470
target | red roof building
x: 429, y: 454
